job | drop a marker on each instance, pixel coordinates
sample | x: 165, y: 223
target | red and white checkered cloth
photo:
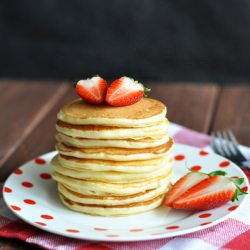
x: 233, y: 233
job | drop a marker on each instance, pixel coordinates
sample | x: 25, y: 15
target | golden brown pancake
x: 106, y: 165
x: 100, y: 127
x: 118, y: 151
x: 119, y: 143
x: 109, y: 176
x: 112, y: 200
x: 113, y: 161
x: 143, y: 113
x: 112, y: 132
x: 116, y: 210
x: 90, y: 187
x: 116, y: 154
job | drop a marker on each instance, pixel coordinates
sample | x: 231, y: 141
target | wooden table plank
x: 41, y: 140
x: 190, y: 105
x: 234, y: 112
x: 22, y: 106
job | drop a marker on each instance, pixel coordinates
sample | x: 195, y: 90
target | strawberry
x: 92, y: 90
x: 125, y: 91
x: 210, y: 193
x: 200, y: 191
x: 182, y: 185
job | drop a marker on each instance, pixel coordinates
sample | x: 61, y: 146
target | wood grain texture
x: 41, y: 140
x: 22, y: 106
x: 233, y: 112
x: 28, y: 116
x: 188, y: 104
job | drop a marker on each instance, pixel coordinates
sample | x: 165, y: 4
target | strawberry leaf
x: 238, y: 191
x: 74, y: 85
x: 146, y: 91
x: 238, y: 181
x: 217, y: 172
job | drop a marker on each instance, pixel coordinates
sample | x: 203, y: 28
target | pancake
x: 125, y: 143
x: 89, y: 187
x: 143, y: 113
x: 109, y: 176
x: 116, y: 154
x: 108, y: 132
x: 107, y: 165
x: 112, y: 161
x: 115, y: 210
x: 112, y: 200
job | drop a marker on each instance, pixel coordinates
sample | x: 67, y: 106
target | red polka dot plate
x: 31, y: 194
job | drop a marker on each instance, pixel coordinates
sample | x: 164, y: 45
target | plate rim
x: 164, y: 235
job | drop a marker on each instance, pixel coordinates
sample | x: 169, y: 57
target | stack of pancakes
x: 112, y: 160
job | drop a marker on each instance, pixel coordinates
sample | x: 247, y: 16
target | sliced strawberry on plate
x: 125, y: 91
x: 92, y: 90
x: 210, y: 193
x: 182, y: 185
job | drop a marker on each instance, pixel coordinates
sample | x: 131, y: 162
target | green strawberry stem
x: 146, y: 91
x: 238, y: 191
x: 217, y: 172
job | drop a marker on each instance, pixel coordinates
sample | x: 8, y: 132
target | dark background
x: 144, y: 39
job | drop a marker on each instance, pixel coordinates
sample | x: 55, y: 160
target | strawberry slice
x: 125, y: 91
x: 92, y: 90
x: 201, y: 191
x: 182, y: 185
x: 212, y: 192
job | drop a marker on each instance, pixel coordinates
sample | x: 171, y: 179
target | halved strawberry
x: 212, y: 192
x: 125, y: 91
x: 92, y: 90
x: 182, y: 185
x: 201, y: 191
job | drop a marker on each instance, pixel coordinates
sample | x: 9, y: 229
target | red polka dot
x: 47, y: 217
x: 73, y: 231
x: 179, y: 157
x: 16, y: 208
x: 18, y: 171
x: 136, y: 230
x: 112, y: 235
x: 40, y: 161
x: 205, y: 215
x: 224, y: 164
x: 196, y: 168
x: 245, y: 189
x: 45, y: 176
x: 30, y: 202
x: 100, y: 229
x: 205, y: 223
x: 27, y: 184
x: 41, y: 223
x: 7, y: 190
x: 172, y: 227
x: 202, y: 152
x: 232, y: 208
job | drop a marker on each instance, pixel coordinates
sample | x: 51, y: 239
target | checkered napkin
x: 233, y: 233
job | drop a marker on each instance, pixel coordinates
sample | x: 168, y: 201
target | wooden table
x: 28, y: 114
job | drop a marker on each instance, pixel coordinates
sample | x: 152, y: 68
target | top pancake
x: 143, y: 113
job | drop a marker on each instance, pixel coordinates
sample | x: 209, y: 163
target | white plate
x: 31, y: 194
